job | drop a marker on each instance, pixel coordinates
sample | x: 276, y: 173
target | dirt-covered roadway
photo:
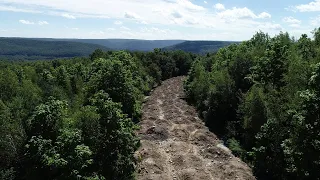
x: 177, y: 145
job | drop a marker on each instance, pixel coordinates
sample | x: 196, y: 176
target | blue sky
x: 157, y: 19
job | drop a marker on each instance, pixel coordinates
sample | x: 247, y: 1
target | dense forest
x: 200, y: 47
x: 263, y: 98
x: 76, y: 118
x: 22, y: 49
x: 30, y: 49
x: 125, y: 44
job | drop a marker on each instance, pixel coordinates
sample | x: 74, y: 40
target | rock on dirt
x: 175, y: 143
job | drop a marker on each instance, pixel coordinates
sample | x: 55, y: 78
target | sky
x: 234, y: 20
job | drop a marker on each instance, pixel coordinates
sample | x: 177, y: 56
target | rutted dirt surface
x: 177, y: 145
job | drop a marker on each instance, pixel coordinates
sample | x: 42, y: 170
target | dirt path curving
x: 177, y: 145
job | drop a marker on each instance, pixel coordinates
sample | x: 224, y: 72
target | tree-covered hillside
x: 28, y: 49
x: 75, y: 118
x: 199, y: 47
x: 262, y: 97
x: 125, y: 44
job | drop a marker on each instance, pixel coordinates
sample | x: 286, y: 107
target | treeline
x: 75, y: 119
x: 31, y: 49
x: 200, y: 47
x: 263, y: 98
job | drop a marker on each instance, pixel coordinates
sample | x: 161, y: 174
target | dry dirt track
x: 177, y: 145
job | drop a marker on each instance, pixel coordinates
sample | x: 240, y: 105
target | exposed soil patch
x: 176, y: 145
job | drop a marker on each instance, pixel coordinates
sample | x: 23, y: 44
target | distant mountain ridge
x: 32, y: 49
x: 200, y: 47
x: 124, y: 44
x: 48, y: 48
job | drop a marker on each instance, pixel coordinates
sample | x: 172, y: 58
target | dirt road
x: 177, y: 145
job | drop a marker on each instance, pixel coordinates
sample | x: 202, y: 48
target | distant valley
x: 48, y: 48
x: 200, y: 47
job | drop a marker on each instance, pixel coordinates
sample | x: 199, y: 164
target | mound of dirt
x: 156, y: 133
x: 176, y: 145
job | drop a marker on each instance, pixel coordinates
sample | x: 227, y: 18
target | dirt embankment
x: 177, y: 145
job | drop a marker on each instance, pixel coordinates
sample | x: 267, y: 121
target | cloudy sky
x: 157, y: 19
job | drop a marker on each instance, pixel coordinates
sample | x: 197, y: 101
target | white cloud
x: 270, y: 26
x: 125, y: 28
x: 26, y: 22
x: 315, y: 21
x: 131, y: 15
x: 219, y: 7
x: 121, y: 9
x: 205, y: 2
x: 72, y: 28
x: 291, y: 20
x: 310, y: 7
x: 111, y: 29
x: 294, y: 25
x: 135, y: 17
x: 15, y: 9
x: 176, y: 14
x: 264, y: 15
x: 191, y: 21
x: 142, y: 22
x: 189, y: 5
x: 68, y: 16
x: 118, y: 23
x: 43, y: 23
x: 241, y: 13
x: 155, y: 30
x: 97, y: 33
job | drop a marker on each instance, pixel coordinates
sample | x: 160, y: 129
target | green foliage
x: 7, y: 174
x: 273, y: 65
x: 199, y: 47
x: 262, y: 97
x: 316, y: 35
x: 12, y: 137
x: 302, y: 148
x: 236, y: 148
x: 117, y: 142
x: 64, y: 159
x: 46, y: 120
x: 37, y: 49
x: 222, y: 98
x: 8, y: 84
x: 75, y: 119
x: 115, y: 78
x: 196, y: 85
x: 306, y: 47
x: 254, y: 112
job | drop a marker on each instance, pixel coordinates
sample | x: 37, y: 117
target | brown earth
x: 177, y: 145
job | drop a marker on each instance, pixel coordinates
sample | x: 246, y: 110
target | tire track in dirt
x: 175, y: 143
